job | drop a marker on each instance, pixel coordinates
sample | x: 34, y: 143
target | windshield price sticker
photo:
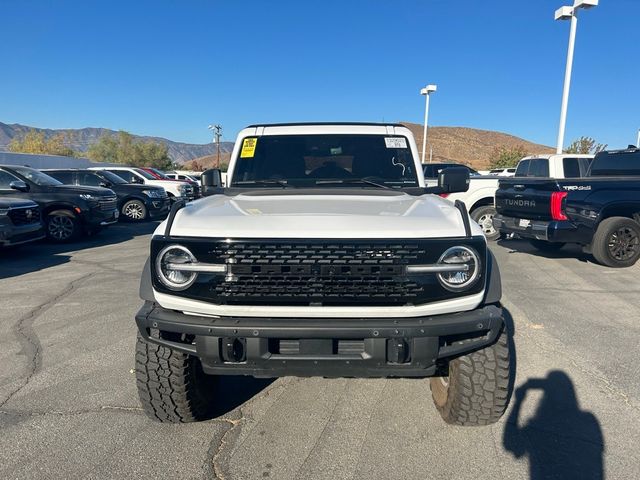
x: 395, y: 142
x: 248, y: 147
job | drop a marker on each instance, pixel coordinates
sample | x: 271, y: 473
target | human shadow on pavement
x: 561, y: 441
x: 235, y: 390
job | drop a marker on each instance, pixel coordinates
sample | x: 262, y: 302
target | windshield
x: 37, y: 177
x: 146, y: 175
x: 112, y: 177
x: 327, y: 160
x: 160, y: 174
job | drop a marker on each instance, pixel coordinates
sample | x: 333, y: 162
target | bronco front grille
x: 24, y: 215
x: 316, y: 272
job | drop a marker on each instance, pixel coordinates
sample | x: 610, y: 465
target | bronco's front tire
x: 476, y: 392
x: 171, y: 385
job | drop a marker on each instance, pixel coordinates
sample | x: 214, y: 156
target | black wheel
x: 476, y: 391
x: 483, y: 216
x: 616, y: 242
x: 62, y: 226
x: 134, y: 211
x: 548, y: 247
x: 171, y: 385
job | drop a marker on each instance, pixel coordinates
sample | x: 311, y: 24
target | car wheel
x: 134, y: 211
x: 477, y: 389
x: 172, y: 385
x: 548, y: 247
x: 483, y: 216
x: 62, y: 226
x: 616, y: 242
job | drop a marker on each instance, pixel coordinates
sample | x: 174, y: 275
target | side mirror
x: 211, y: 181
x: 453, y: 180
x: 105, y: 184
x: 19, y: 185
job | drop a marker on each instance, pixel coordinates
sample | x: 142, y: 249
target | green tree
x: 124, y: 148
x: 505, y: 157
x: 585, y: 145
x: 36, y: 142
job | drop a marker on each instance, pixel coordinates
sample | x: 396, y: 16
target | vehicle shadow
x: 560, y: 440
x: 235, y: 390
x: 40, y: 255
x: 568, y: 251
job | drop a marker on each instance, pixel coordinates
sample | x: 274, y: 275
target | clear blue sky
x: 170, y: 68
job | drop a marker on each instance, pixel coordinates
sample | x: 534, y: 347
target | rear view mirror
x: 19, y: 185
x: 453, y: 180
x: 211, y: 181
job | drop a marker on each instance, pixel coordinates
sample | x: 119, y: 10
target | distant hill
x: 80, y: 139
x: 469, y: 146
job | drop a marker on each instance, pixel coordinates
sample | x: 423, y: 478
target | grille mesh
x: 21, y: 216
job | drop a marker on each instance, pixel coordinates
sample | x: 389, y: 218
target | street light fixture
x: 426, y: 91
x: 569, y: 13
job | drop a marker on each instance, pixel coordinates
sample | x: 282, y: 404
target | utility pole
x: 217, y: 134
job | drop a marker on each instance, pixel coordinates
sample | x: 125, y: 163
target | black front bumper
x: 158, y: 207
x: 96, y: 217
x: 327, y: 347
x: 16, y: 235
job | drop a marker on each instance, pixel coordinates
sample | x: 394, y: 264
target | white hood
x: 276, y: 215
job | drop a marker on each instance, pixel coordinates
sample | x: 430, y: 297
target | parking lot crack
x: 29, y: 341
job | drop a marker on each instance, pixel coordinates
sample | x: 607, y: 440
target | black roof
x: 301, y: 124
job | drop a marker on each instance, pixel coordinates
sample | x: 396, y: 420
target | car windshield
x: 160, y: 174
x: 327, y: 160
x: 146, y: 175
x: 113, y: 178
x: 37, y: 177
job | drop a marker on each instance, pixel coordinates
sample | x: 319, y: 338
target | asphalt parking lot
x: 69, y: 407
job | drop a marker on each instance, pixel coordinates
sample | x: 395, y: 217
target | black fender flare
x: 493, y: 287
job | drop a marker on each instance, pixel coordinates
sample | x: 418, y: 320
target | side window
x: 571, y: 167
x: 125, y: 175
x: 523, y: 168
x: 539, y: 167
x: 89, y: 179
x: 63, y: 177
x: 6, y: 179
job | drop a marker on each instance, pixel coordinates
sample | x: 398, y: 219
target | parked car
x: 326, y: 256
x: 432, y: 170
x: 159, y: 175
x: 20, y: 221
x: 175, y: 190
x: 502, y: 172
x: 566, y: 165
x: 601, y: 211
x: 68, y: 211
x: 135, y: 202
x: 181, y: 176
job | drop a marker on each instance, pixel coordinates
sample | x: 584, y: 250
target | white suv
x: 326, y: 256
x: 175, y: 189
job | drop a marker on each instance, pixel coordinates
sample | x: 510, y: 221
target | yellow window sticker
x: 249, y: 147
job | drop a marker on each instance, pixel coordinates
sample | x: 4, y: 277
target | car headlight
x: 3, y: 211
x: 170, y: 277
x: 89, y: 198
x: 153, y: 193
x: 468, y: 261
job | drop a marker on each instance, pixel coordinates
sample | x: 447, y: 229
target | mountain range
x: 470, y: 146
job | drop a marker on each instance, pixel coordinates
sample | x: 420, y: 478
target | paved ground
x: 68, y: 405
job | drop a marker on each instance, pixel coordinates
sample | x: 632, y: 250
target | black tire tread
x: 479, y: 386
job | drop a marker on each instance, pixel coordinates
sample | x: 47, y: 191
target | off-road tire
x: 171, y: 385
x: 603, y: 237
x: 482, y: 214
x: 477, y: 390
x: 547, y: 247
x: 62, y: 226
x: 134, y: 211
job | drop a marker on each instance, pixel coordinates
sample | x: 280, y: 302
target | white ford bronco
x: 325, y: 255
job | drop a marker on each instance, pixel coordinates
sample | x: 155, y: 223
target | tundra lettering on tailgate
x: 519, y: 203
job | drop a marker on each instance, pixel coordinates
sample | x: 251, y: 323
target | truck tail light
x: 443, y: 195
x: 557, y: 209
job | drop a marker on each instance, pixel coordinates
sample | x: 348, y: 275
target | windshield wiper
x: 348, y: 181
x: 282, y: 183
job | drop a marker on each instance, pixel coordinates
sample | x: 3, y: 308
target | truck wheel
x: 171, y: 385
x: 476, y: 392
x: 483, y: 216
x: 548, y: 247
x: 134, y: 211
x: 616, y: 242
x: 62, y: 226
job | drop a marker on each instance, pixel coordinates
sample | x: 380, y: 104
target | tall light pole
x: 426, y: 91
x: 217, y: 134
x: 569, y: 13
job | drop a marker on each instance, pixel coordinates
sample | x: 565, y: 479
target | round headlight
x: 168, y: 267
x: 469, y: 263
